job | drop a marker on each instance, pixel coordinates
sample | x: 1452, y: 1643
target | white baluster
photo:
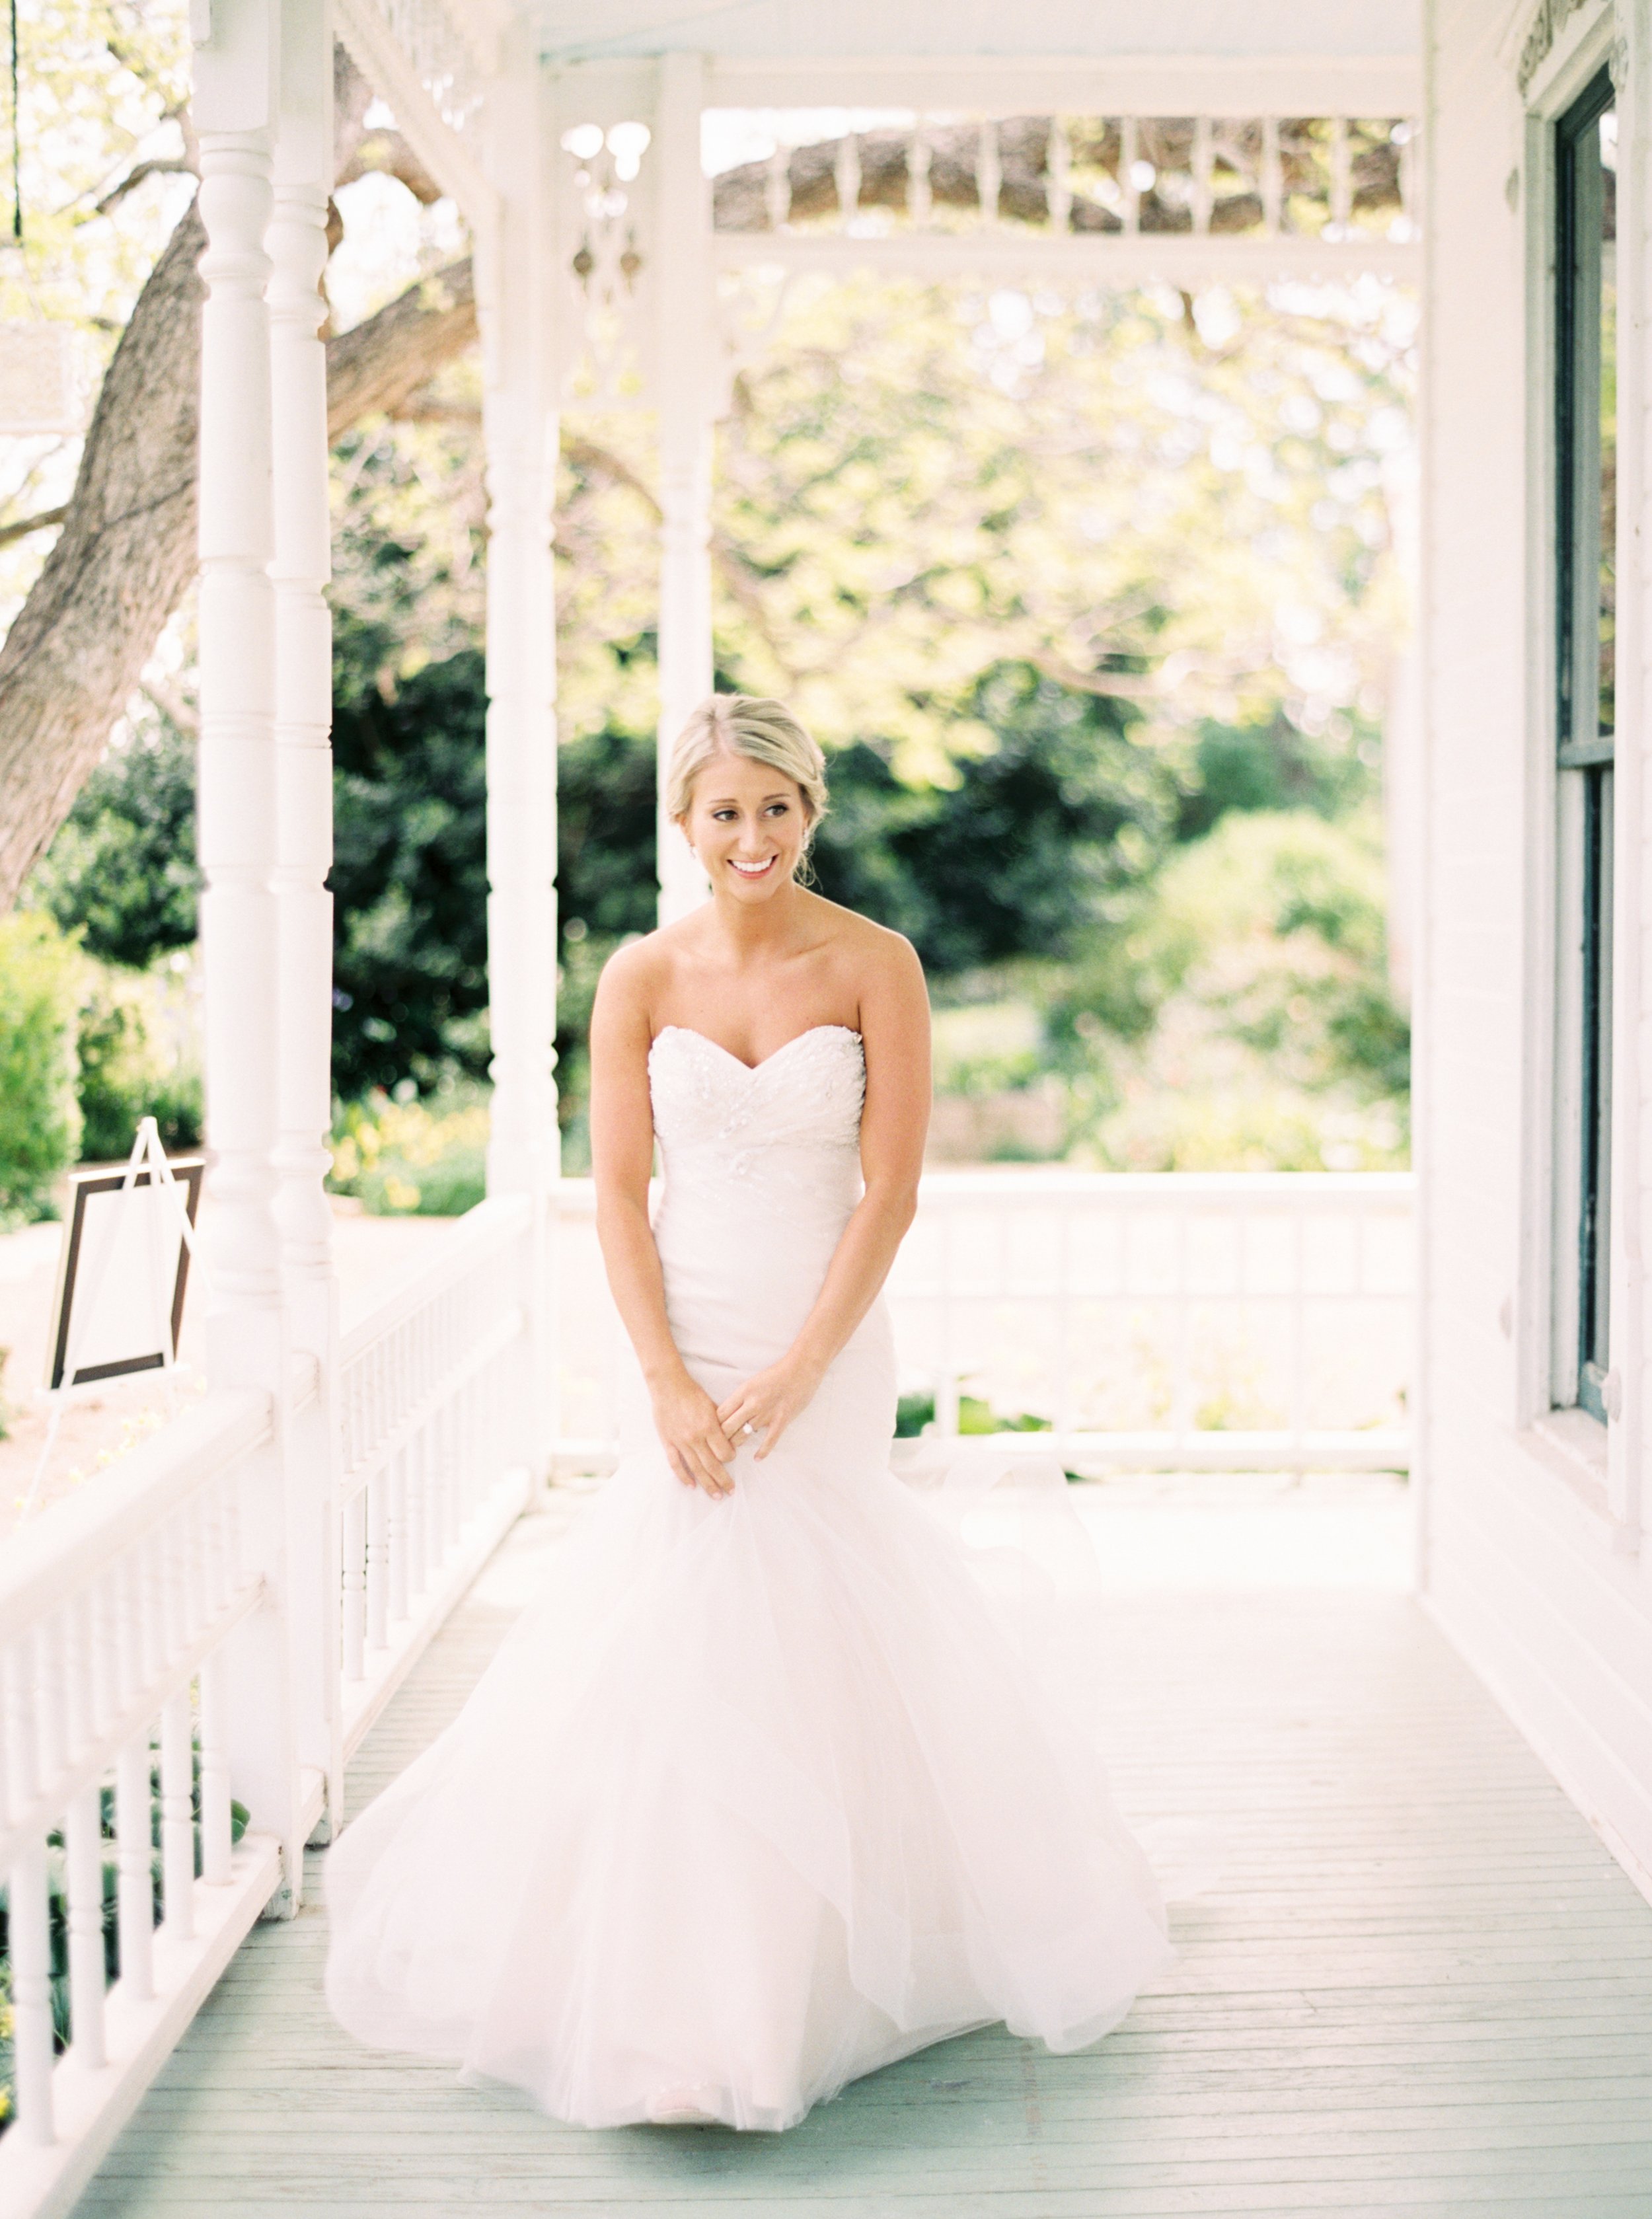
x: 215, y: 1842
x: 1203, y: 166
x: 378, y: 1550
x: 776, y: 189
x: 133, y: 1805
x: 1064, y: 1419
x: 396, y: 1535
x: 52, y: 1732
x: 177, y: 1816
x: 84, y: 1837
x: 1298, y: 1336
x: 447, y: 1431
x: 847, y: 175
x: 413, y: 1458
x: 920, y: 206
x: 1342, y: 182
x: 354, y: 1584
x: 1058, y: 167
x: 106, y: 1686
x: 31, y: 1991
x: 22, y: 1723
x: 989, y: 173
x: 1181, y: 1412
x: 1128, y: 185
x: 946, y: 1383
x: 1273, y: 178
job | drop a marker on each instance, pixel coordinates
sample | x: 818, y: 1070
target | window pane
x: 1586, y: 391
x: 1587, y: 421
x: 1595, y: 1215
x: 1606, y: 342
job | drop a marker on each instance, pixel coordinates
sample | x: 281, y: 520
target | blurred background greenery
x: 1093, y: 600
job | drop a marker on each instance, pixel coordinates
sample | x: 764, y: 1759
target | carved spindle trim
x: 989, y: 173
x: 1058, y: 165
x: 846, y: 177
x: 920, y: 205
x: 1273, y: 177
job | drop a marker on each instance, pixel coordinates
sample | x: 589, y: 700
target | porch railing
x: 433, y: 1379
x: 142, y: 1660
x: 122, y: 1616
x: 1172, y: 1321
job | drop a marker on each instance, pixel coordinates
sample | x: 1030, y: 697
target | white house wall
x: 1529, y: 1555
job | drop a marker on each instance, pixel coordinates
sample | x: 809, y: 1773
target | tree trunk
x: 121, y: 564
x: 127, y: 553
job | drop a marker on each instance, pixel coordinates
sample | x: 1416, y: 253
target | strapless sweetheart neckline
x: 693, y: 1032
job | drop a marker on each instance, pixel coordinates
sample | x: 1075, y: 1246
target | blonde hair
x: 763, y: 731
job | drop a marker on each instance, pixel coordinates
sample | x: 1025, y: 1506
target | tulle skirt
x: 760, y: 1793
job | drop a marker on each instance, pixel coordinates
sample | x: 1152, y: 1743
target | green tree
x: 39, y: 1119
x: 121, y: 870
x: 410, y: 892
x: 1027, y: 848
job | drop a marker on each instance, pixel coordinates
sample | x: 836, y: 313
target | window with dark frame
x: 1586, y: 386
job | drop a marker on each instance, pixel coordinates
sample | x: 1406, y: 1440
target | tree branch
x: 379, y: 365
x: 135, y: 178
x: 125, y: 553
x: 387, y: 153
x: 46, y: 520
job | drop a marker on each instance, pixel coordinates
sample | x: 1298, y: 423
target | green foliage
x: 121, y: 871
x: 1023, y: 849
x: 919, y: 482
x: 915, y: 1412
x: 40, y: 1118
x: 1274, y: 766
x: 1266, y: 1034
x: 411, y: 1159
x: 410, y: 890
x: 137, y: 1057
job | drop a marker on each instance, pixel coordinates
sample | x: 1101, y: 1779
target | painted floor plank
x: 1421, y: 1987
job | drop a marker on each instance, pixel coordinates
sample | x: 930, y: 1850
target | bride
x: 766, y: 1789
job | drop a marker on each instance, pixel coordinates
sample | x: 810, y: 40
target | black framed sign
x: 125, y: 1266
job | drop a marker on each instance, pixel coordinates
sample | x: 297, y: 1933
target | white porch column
x: 234, y: 113
x: 520, y: 429
x: 684, y: 281
x: 303, y: 699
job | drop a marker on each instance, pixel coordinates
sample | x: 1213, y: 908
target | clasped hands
x: 700, y: 1436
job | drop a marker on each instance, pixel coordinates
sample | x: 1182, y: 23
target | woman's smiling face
x: 748, y: 825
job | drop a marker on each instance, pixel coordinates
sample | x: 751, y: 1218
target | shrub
x: 122, y: 870
x: 39, y: 1117
x: 138, y: 1057
x: 413, y: 1158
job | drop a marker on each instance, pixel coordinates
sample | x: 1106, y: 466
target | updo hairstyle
x: 764, y: 732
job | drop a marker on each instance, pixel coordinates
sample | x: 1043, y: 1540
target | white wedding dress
x: 762, y: 1792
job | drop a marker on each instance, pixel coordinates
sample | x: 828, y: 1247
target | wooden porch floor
x: 1422, y: 1987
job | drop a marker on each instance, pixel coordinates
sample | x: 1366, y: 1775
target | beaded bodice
x: 792, y: 1122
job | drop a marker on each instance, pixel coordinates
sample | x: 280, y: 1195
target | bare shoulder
x: 883, y: 965
x: 632, y: 980
x: 847, y: 931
